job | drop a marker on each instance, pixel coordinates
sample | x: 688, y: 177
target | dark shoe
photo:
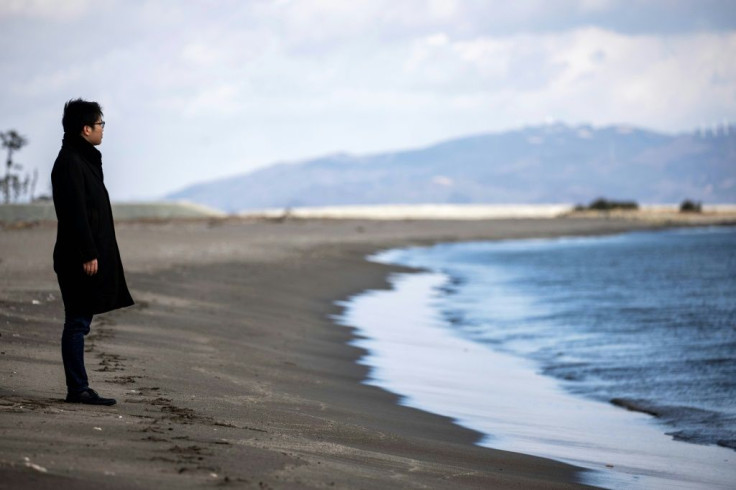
x: 89, y: 397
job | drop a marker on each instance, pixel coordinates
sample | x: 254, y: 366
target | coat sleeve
x: 71, y: 210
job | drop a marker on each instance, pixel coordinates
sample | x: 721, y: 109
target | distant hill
x: 553, y: 163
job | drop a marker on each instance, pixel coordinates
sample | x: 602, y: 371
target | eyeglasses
x: 101, y: 123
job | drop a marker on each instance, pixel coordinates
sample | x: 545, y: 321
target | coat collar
x: 86, y: 149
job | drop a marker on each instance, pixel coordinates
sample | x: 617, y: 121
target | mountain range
x: 553, y: 163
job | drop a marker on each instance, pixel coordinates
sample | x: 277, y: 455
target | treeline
x: 601, y: 204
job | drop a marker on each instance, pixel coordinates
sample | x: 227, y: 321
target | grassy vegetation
x: 689, y: 206
x: 602, y: 204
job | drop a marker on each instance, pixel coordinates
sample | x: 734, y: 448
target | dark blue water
x: 643, y: 320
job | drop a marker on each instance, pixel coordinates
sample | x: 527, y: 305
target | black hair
x: 79, y: 113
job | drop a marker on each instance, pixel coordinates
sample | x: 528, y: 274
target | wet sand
x: 229, y: 370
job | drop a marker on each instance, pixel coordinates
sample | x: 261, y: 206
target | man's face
x: 94, y: 133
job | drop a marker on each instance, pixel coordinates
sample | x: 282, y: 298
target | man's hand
x: 90, y: 268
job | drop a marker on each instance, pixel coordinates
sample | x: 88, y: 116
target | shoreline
x: 415, y: 353
x: 229, y: 370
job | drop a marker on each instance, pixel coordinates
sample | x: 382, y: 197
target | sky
x: 198, y: 90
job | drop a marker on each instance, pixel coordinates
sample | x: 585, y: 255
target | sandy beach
x: 229, y: 370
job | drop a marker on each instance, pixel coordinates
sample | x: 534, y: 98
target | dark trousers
x: 72, y: 351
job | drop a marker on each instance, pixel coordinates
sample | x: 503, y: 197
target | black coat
x: 85, y: 231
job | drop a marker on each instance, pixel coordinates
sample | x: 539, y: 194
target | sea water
x: 538, y: 344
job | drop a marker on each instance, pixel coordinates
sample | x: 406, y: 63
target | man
x: 86, y: 257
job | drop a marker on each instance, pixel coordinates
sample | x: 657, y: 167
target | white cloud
x: 443, y: 181
x: 199, y: 54
x: 587, y: 74
x: 596, y: 5
x: 64, y: 78
x: 50, y: 9
x: 443, y: 9
x: 287, y: 80
x: 215, y: 101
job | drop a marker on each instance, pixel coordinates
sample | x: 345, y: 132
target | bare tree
x: 12, y: 183
x: 34, y: 181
